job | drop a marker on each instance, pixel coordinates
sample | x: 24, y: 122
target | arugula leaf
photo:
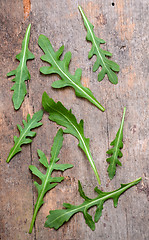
x: 116, y: 150
x: 21, y: 72
x: 58, y: 217
x: 48, y: 182
x: 25, y: 133
x: 59, y: 114
x: 61, y: 67
x: 108, y: 67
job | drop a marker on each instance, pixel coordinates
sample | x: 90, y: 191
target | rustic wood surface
x: 123, y: 24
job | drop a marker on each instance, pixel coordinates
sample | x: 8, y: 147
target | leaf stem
x: 89, y: 156
x: 123, y: 116
x: 33, y: 219
x: 57, y: 217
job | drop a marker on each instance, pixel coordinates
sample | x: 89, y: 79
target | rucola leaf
x: 48, y: 182
x: 21, y: 72
x: 59, y: 114
x: 116, y: 150
x: 61, y: 67
x: 58, y: 217
x: 25, y: 133
x: 108, y: 67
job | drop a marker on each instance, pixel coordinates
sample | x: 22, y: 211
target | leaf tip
x: 138, y: 180
x: 30, y: 167
x: 29, y: 27
x: 124, y: 110
x: 8, y: 160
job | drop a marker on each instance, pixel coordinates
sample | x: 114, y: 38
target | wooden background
x: 123, y: 24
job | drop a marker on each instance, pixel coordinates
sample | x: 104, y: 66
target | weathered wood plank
x: 16, y: 197
x: 124, y: 26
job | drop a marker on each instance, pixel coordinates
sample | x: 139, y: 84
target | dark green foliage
x: 58, y: 217
x: 25, y: 133
x: 108, y: 67
x: 48, y: 182
x: 61, y: 67
x: 59, y: 114
x: 116, y: 150
x: 21, y: 72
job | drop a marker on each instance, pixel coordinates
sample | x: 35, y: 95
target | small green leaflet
x: 59, y: 114
x: 21, y: 72
x: 25, y: 133
x: 108, y: 67
x: 61, y: 67
x: 58, y: 217
x: 116, y: 150
x: 48, y: 182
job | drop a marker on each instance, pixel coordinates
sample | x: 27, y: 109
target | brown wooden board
x: 123, y: 25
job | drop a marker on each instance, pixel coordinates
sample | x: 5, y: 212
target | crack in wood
x: 31, y: 156
x: 107, y: 128
x: 33, y: 190
x: 126, y: 223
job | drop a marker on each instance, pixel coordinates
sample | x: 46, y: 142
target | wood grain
x: 123, y: 25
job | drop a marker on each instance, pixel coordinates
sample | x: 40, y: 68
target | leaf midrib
x: 119, y: 136
x: 21, y: 137
x: 85, y: 19
x: 95, y: 200
x: 77, y: 86
x: 24, y: 52
x: 49, y: 171
x: 86, y: 150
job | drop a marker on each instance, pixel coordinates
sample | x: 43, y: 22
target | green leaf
x: 25, y: 133
x: 108, y: 67
x: 48, y: 182
x: 61, y: 67
x: 59, y: 114
x: 58, y: 217
x: 116, y: 150
x: 21, y: 72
